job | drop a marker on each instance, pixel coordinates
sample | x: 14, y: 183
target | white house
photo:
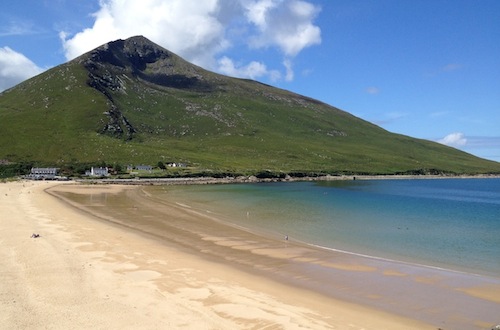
x: 144, y: 167
x: 97, y: 171
x: 43, y: 172
x: 176, y: 165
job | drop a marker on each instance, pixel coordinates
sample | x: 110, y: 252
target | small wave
x: 183, y: 205
x: 414, y: 264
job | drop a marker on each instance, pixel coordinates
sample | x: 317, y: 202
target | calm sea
x: 449, y: 223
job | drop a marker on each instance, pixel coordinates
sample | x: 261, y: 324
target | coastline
x: 115, y: 275
x: 253, y: 179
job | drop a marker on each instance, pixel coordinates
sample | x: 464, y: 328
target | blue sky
x: 424, y: 68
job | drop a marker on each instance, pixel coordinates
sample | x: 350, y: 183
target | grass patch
x: 222, y: 125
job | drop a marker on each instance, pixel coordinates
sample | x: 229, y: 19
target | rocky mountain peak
x: 135, y: 53
x: 142, y: 61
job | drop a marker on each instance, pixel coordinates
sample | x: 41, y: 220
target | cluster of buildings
x: 139, y: 168
x: 176, y: 165
x: 51, y: 173
x: 150, y: 168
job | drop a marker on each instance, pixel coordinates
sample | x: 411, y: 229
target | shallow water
x: 451, y: 223
x: 327, y: 214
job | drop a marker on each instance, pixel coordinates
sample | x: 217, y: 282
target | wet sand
x: 116, y: 257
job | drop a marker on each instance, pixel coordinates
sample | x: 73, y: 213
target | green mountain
x: 134, y: 102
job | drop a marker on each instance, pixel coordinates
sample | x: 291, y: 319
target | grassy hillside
x: 134, y: 102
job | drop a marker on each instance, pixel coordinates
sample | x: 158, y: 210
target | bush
x: 16, y: 169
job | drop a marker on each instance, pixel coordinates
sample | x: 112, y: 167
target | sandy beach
x: 89, y: 270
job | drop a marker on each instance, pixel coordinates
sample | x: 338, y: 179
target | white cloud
x: 253, y: 70
x: 445, y: 69
x: 18, y: 28
x: 189, y: 28
x: 289, y: 70
x: 373, y: 90
x: 454, y: 139
x: 285, y: 24
x: 14, y: 68
x: 202, y: 31
x: 390, y: 118
x: 484, y: 146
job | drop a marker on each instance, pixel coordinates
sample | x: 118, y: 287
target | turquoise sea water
x: 449, y: 223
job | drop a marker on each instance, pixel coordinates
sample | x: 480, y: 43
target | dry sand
x: 83, y: 273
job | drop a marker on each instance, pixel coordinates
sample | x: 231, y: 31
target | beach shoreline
x: 118, y: 275
x: 253, y: 179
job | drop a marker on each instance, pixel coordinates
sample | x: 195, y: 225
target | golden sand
x: 488, y: 292
x: 83, y: 272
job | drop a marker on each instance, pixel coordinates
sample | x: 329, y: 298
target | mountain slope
x: 131, y: 101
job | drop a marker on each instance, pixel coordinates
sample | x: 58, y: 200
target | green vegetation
x: 112, y: 106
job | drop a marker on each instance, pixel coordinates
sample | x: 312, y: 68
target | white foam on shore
x: 183, y: 205
x: 389, y: 260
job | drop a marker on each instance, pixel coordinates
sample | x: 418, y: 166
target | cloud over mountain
x: 15, y: 67
x: 202, y: 31
x: 454, y: 139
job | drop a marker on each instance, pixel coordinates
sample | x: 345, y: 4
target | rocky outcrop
x: 106, y: 83
x: 118, y: 126
x: 136, y: 58
x: 149, y: 62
